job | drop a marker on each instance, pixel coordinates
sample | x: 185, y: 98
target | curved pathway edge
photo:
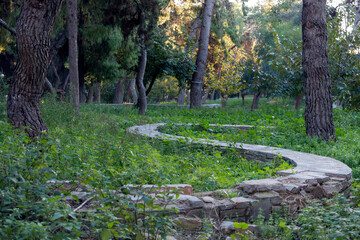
x: 313, y: 177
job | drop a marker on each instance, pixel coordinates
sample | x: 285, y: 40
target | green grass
x: 95, y: 149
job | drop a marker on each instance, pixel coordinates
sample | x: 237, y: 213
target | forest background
x: 252, y: 51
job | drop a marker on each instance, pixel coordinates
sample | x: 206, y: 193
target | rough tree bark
x: 142, y: 104
x: 33, y: 30
x: 72, y: 25
x: 318, y: 107
x: 197, y: 79
x: 119, y: 90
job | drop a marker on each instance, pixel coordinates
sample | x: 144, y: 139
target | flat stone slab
x: 261, y: 185
x: 185, y: 189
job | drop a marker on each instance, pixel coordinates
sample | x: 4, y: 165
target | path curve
x: 313, y: 177
x: 302, y: 162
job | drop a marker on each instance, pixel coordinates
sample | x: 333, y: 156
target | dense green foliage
x: 93, y: 149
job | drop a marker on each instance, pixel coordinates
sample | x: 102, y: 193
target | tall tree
x: 318, y: 109
x: 197, y: 79
x: 142, y: 102
x: 34, y: 27
x: 72, y: 25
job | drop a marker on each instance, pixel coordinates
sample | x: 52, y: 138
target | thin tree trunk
x: 90, y: 97
x: 7, y: 27
x: 48, y: 86
x: 255, y: 101
x: 299, y: 100
x: 243, y: 99
x: 224, y: 99
x: 58, y: 80
x: 97, y: 98
x: 206, y: 95
x: 193, y: 30
x: 153, y: 79
x: 72, y: 23
x: 318, y: 107
x: 213, y: 95
x: 58, y: 43
x: 34, y: 27
x: 181, y: 97
x: 119, y: 90
x: 131, y: 90
x: 128, y: 93
x: 81, y: 66
x: 197, y: 79
x: 187, y: 97
x: 140, y: 77
x: 357, y: 17
x: 66, y: 82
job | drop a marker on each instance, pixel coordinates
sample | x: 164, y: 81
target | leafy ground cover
x: 93, y: 148
x: 287, y: 130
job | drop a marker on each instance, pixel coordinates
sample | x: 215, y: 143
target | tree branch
x: 6, y: 26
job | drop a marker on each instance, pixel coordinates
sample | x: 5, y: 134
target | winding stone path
x: 313, y: 177
x: 302, y: 162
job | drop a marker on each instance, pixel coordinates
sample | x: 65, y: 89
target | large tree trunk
x: 318, y: 107
x: 142, y: 104
x: 197, y: 79
x: 34, y: 27
x: 119, y: 90
x: 72, y: 24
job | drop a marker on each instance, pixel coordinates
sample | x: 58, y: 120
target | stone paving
x: 312, y: 177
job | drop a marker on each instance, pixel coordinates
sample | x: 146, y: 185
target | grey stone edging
x: 313, y: 177
x: 303, y: 162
